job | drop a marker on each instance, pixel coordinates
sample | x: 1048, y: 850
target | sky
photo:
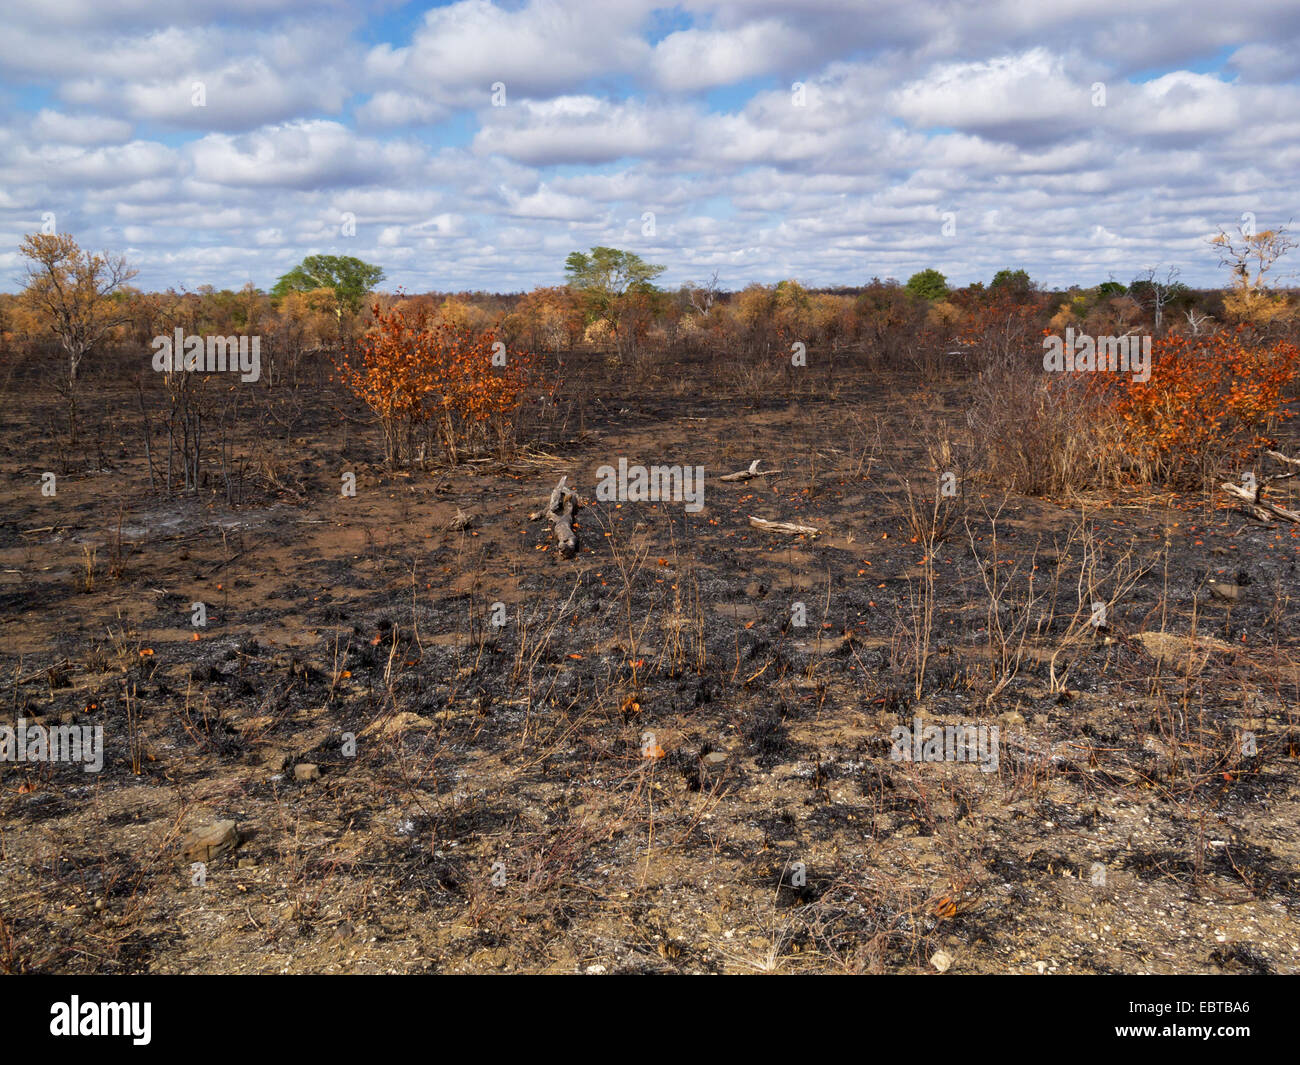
x: 473, y: 145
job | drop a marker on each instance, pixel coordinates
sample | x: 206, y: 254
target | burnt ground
x: 650, y: 767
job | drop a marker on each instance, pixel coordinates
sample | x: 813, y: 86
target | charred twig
x: 745, y: 475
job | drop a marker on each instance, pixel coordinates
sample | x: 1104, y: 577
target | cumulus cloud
x: 1027, y: 98
x: 910, y: 113
x: 460, y: 51
x: 61, y: 128
x: 704, y: 59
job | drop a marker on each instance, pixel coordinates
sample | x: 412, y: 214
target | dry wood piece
x: 1282, y: 458
x: 1256, y: 505
x: 745, y: 475
x: 783, y: 527
x: 560, y: 510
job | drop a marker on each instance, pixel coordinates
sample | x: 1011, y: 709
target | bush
x: 430, y: 383
x: 1210, y: 400
x: 1209, y: 403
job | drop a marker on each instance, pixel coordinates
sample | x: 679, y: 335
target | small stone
x: 596, y: 970
x: 211, y: 842
x: 1225, y: 590
x: 941, y: 960
x: 305, y: 771
x: 715, y: 757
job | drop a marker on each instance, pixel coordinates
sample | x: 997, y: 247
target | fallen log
x: 745, y: 475
x: 560, y: 510
x: 783, y: 527
x: 1258, y: 507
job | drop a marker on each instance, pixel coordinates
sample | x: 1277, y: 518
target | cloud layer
x: 476, y: 144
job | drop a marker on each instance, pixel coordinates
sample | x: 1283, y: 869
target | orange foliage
x: 1210, y: 399
x: 423, y: 376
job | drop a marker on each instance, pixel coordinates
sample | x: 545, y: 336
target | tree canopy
x: 1014, y: 280
x: 349, y: 279
x: 609, y: 272
x: 928, y: 285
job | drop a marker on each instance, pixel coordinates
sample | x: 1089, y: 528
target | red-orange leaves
x: 430, y: 383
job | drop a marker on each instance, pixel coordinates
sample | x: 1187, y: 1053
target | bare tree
x: 1196, y: 320
x: 703, y: 297
x: 1248, y: 250
x: 1155, y: 292
x: 72, y: 290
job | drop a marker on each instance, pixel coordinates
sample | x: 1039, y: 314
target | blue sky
x: 1078, y: 140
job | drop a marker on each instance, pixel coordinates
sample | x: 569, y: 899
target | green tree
x: 1017, y: 281
x: 347, y: 279
x: 928, y: 285
x: 614, y: 284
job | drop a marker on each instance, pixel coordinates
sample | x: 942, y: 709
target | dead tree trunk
x: 560, y: 510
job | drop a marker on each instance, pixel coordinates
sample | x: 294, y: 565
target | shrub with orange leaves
x: 1210, y: 400
x: 429, y: 382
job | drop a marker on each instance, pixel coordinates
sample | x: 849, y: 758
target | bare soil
x: 650, y: 767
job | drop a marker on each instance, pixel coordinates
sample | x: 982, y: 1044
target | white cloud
x: 79, y: 129
x: 913, y: 108
x: 704, y: 59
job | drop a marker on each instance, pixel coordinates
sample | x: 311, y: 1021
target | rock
x: 715, y: 757
x: 596, y: 970
x: 1228, y: 591
x: 305, y: 771
x: 211, y: 842
x: 941, y: 960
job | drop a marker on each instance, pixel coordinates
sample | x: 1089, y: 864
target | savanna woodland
x: 318, y: 603
x: 622, y: 623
